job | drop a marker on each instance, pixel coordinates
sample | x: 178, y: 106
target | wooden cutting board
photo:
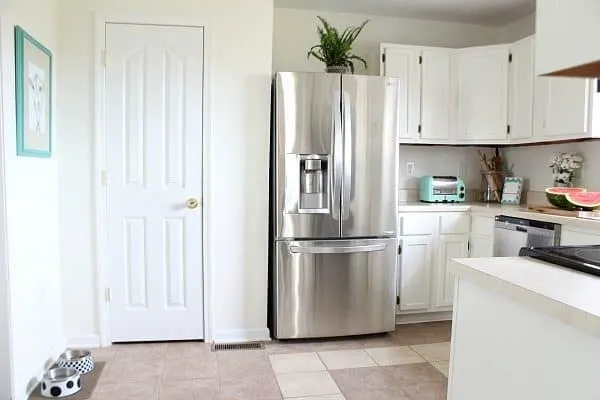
x: 552, y: 210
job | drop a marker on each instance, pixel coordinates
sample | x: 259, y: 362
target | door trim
x: 101, y: 179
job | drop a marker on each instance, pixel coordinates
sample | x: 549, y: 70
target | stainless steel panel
x: 307, y: 120
x: 509, y: 238
x: 335, y: 287
x: 370, y: 192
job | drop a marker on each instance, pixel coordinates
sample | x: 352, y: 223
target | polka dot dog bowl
x: 61, y: 382
x: 81, y: 360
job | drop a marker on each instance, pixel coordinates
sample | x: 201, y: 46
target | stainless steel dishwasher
x: 511, y: 234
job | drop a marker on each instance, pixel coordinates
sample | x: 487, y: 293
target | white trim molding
x: 100, y: 184
x: 242, y: 335
x: 83, y: 342
x: 417, y: 318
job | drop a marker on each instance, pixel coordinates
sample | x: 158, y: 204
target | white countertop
x: 494, y: 209
x: 570, y: 296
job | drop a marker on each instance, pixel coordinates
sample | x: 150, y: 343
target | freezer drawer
x: 334, y: 287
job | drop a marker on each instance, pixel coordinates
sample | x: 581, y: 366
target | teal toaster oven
x: 442, y: 189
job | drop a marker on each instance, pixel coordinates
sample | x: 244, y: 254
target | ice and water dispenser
x: 314, y: 184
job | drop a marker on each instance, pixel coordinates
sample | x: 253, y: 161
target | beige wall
x: 237, y: 199
x: 295, y: 31
x: 31, y: 216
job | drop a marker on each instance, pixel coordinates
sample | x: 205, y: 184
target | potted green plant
x: 335, y: 49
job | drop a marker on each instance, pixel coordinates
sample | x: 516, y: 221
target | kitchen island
x: 523, y: 330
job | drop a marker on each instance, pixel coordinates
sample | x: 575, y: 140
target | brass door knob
x: 192, y: 203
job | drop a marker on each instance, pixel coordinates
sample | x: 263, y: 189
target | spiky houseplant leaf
x: 335, y: 49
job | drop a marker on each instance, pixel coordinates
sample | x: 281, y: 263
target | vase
x: 563, y: 184
x: 336, y: 69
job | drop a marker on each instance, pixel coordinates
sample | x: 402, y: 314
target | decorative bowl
x: 81, y: 360
x: 61, y: 382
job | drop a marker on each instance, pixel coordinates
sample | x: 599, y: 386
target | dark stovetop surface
x: 581, y: 258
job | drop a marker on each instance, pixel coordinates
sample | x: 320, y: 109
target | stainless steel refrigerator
x: 334, y: 154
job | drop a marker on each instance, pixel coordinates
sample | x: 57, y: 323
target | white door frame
x: 7, y: 379
x: 100, y: 177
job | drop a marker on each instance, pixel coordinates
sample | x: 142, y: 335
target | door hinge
x: 420, y: 59
x: 419, y: 128
x: 383, y: 57
x: 510, y: 58
x: 508, y: 129
x: 107, y: 294
x: 469, y: 246
x: 399, y: 249
x: 397, y: 300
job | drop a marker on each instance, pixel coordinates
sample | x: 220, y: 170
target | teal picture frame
x: 33, y: 95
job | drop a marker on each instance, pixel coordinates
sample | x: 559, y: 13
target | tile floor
x: 408, y: 364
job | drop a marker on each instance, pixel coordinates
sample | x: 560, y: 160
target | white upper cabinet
x: 402, y: 62
x: 483, y: 93
x: 567, y: 35
x: 562, y: 107
x: 438, y: 94
x: 521, y: 80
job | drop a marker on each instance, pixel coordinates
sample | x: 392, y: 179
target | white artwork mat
x: 36, y: 85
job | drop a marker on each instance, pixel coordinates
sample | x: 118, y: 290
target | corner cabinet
x: 483, y: 93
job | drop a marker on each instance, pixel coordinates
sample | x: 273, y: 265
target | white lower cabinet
x: 482, y: 247
x: 578, y: 237
x: 450, y: 246
x: 424, y: 284
x: 415, y: 272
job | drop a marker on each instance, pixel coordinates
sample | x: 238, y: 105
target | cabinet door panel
x: 520, y: 113
x: 437, y: 93
x: 483, y: 93
x: 403, y: 63
x: 481, y: 247
x: 561, y: 107
x: 451, y: 246
x: 415, y: 273
x: 571, y: 237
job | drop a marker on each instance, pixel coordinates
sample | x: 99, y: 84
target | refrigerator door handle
x: 347, y: 187
x: 337, y: 249
x: 337, y: 146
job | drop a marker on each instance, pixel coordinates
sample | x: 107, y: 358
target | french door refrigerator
x: 334, y: 154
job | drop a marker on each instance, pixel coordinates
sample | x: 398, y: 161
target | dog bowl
x: 61, y: 382
x: 81, y: 360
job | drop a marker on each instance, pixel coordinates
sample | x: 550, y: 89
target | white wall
x: 439, y: 160
x: 532, y: 163
x: 32, y: 217
x: 238, y: 195
x: 295, y: 31
x: 519, y: 29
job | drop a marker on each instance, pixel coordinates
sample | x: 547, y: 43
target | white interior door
x: 154, y: 120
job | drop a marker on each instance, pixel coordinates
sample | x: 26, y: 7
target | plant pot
x: 336, y: 69
x: 563, y: 184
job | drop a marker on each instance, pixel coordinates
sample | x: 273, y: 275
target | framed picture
x: 33, y: 84
x: 513, y: 187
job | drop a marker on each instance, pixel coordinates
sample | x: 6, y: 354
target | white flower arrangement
x: 564, y: 166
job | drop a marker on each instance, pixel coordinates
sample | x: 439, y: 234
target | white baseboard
x: 242, y: 335
x: 84, y: 342
x: 416, y: 318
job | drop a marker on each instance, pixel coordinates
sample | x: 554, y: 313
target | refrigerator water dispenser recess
x: 314, y: 188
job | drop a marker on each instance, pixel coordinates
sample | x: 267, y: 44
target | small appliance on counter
x: 581, y: 258
x: 442, y: 189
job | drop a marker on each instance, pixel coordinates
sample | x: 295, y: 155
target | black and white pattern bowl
x: 81, y: 360
x: 61, y: 382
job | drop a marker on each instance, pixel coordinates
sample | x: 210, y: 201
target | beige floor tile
x: 307, y: 384
x: 442, y: 366
x: 250, y: 387
x: 132, y: 370
x: 142, y: 351
x: 300, y: 362
x: 142, y: 390
x: 191, y: 368
x: 199, y: 389
x: 427, y: 391
x: 345, y: 359
x: 434, y: 351
x: 103, y: 353
x: 242, y: 363
x: 178, y: 350
x: 399, y: 355
x: 324, y: 397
